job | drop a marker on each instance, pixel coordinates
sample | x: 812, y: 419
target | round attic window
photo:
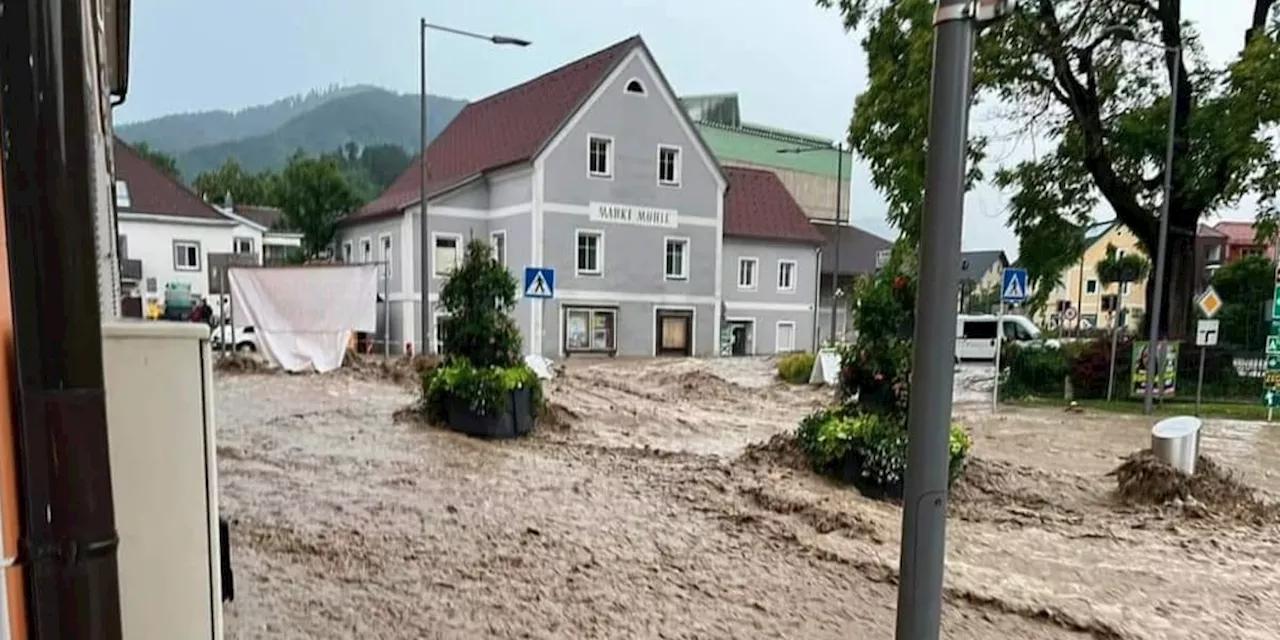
x: 635, y: 86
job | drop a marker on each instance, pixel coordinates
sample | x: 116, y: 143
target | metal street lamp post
x: 1157, y: 299
x: 425, y: 235
x: 840, y: 150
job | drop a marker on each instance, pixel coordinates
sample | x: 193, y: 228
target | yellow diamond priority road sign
x: 1209, y: 302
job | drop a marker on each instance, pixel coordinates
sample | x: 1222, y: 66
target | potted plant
x: 483, y: 388
x: 862, y: 440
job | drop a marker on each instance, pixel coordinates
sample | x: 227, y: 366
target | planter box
x: 850, y: 472
x: 514, y: 419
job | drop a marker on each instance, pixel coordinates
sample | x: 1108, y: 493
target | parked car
x: 976, y: 335
x: 242, y: 339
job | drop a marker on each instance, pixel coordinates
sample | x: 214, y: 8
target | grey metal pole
x: 425, y: 235
x: 817, y: 299
x: 1153, y: 370
x: 835, y: 262
x: 924, y: 511
x: 1200, y: 382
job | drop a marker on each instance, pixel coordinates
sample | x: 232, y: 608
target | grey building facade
x: 595, y: 171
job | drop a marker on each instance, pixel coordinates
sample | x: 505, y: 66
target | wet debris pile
x: 240, y: 363
x: 556, y: 416
x: 402, y: 370
x: 699, y: 383
x: 1144, y: 480
x: 779, y: 451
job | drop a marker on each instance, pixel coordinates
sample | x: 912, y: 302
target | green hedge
x: 796, y: 367
x: 867, y: 450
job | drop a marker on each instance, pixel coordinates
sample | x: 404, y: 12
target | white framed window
x: 589, y: 329
x: 590, y: 253
x: 498, y: 241
x: 786, y: 275
x: 123, y: 201
x: 346, y: 252
x: 635, y: 87
x: 186, y: 255
x: 747, y: 268
x: 882, y: 257
x: 675, y: 259
x: 448, y: 253
x: 668, y: 165
x: 785, y: 336
x: 1126, y: 288
x: 437, y: 331
x: 388, y: 252
x: 366, y: 250
x: 599, y: 156
x: 1091, y: 286
x: 242, y: 245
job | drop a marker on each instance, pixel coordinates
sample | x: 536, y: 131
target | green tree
x: 314, y: 195
x: 1246, y: 287
x: 161, y: 160
x: 244, y: 187
x: 1063, y: 72
x: 1116, y: 268
x: 479, y: 298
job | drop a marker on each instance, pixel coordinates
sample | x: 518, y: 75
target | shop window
x: 590, y: 330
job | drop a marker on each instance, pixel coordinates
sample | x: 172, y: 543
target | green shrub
x: 484, y: 390
x: 796, y: 367
x: 867, y: 450
x: 1032, y: 371
x: 863, y: 440
x: 481, y: 341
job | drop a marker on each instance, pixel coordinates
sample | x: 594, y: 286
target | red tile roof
x: 758, y: 205
x: 502, y: 129
x: 153, y: 191
x: 1238, y: 233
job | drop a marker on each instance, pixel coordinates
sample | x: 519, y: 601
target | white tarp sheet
x: 304, y: 316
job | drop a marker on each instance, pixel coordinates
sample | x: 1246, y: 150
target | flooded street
x: 637, y: 516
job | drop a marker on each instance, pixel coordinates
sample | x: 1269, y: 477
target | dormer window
x: 635, y: 86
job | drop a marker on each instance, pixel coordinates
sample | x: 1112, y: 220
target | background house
x: 1080, y: 289
x: 1241, y: 240
x: 166, y: 233
x: 980, y: 276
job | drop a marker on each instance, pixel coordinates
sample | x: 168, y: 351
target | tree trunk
x: 1180, y: 280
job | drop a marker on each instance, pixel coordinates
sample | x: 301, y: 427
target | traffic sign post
x: 1206, y: 336
x: 1013, y: 290
x: 1271, y: 381
x: 539, y: 282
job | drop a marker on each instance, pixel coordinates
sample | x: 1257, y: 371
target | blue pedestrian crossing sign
x: 539, y: 282
x: 1013, y: 285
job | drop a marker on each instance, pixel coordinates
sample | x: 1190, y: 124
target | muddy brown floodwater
x: 637, y: 517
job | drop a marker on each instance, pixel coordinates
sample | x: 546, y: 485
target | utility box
x: 159, y: 396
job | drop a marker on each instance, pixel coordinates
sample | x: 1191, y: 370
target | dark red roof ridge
x: 158, y: 193
x: 501, y: 129
x: 758, y: 205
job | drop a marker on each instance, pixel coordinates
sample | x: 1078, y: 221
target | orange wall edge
x: 9, y: 506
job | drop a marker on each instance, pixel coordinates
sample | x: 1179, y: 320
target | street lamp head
x: 507, y: 40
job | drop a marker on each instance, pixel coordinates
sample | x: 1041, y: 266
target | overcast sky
x: 792, y: 64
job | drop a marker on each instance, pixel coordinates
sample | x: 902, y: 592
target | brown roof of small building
x: 503, y: 129
x: 154, y: 192
x: 858, y: 249
x: 758, y: 205
x: 268, y: 217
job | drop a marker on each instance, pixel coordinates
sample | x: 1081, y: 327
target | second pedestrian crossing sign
x: 1013, y: 285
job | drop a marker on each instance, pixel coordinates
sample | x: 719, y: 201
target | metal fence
x: 1085, y: 370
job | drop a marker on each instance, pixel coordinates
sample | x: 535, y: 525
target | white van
x: 976, y: 335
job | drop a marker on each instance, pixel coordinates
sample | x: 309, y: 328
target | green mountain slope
x: 183, y: 131
x: 369, y: 117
